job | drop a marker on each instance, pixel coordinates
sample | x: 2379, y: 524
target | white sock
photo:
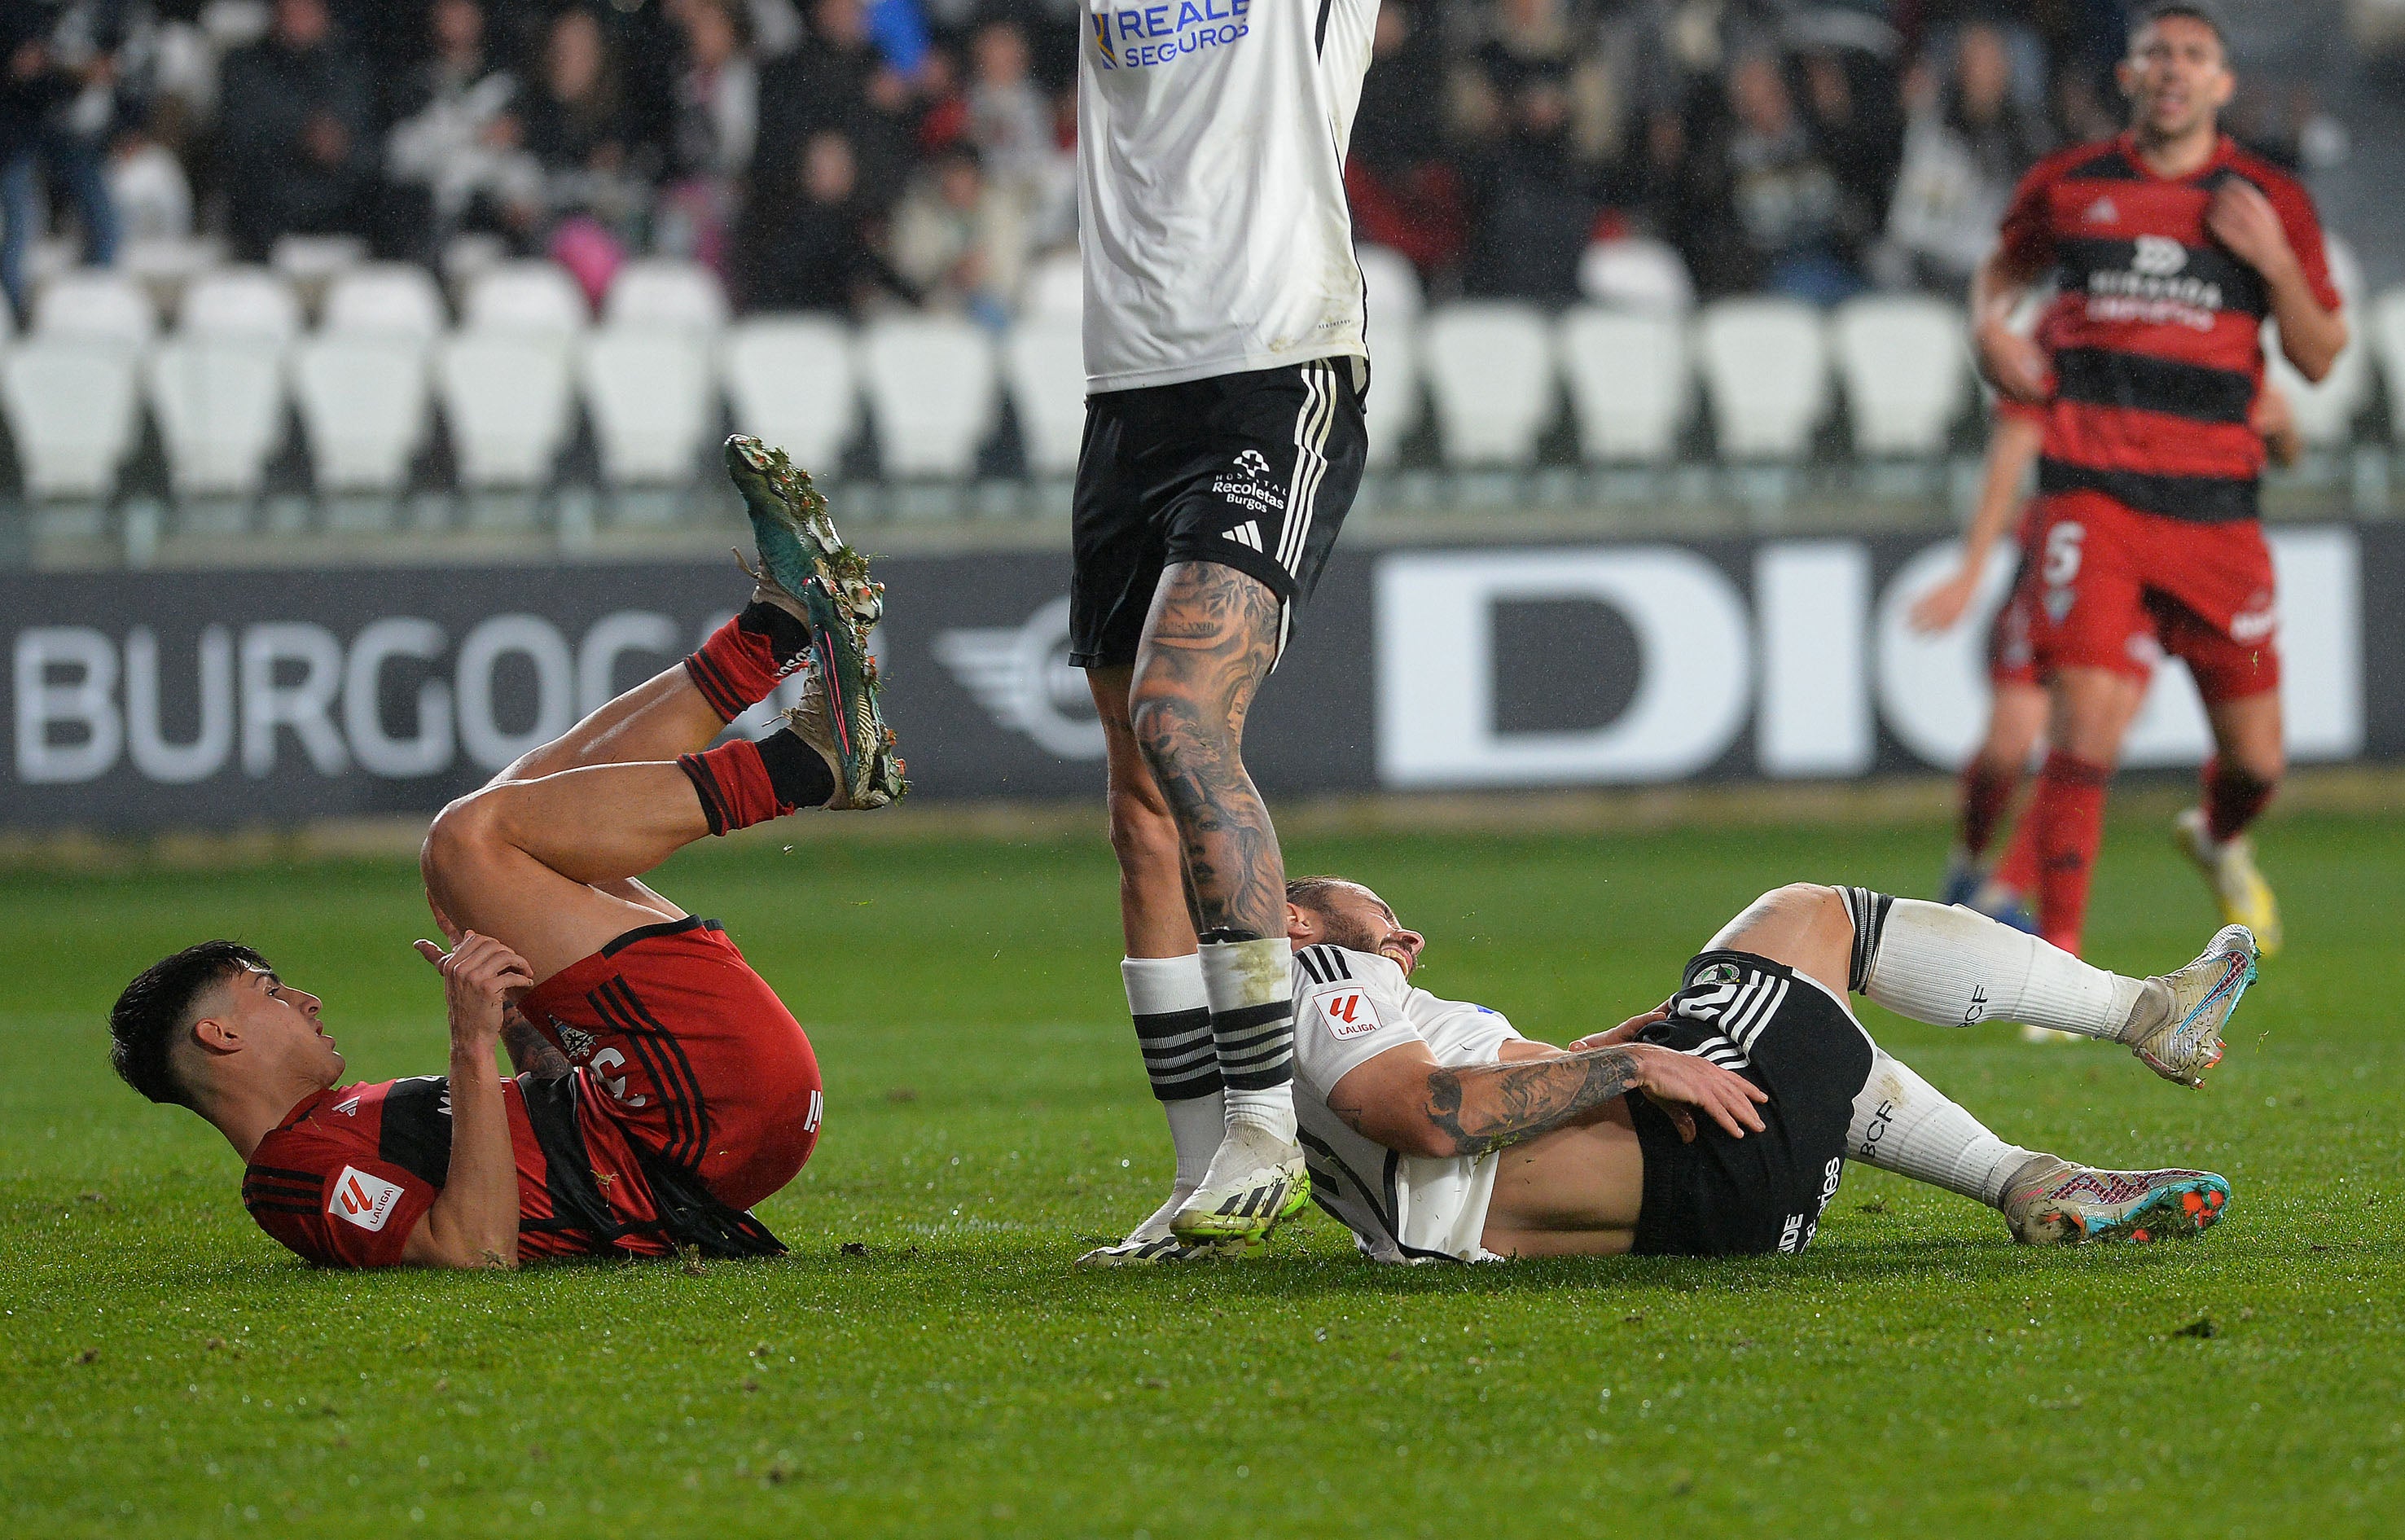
x: 1905, y: 1125
x: 1953, y: 967
x: 1251, y: 987
x: 1173, y: 1026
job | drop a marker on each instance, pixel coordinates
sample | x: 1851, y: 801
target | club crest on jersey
x: 358, y: 1199
x: 577, y: 1043
x: 1347, y: 1010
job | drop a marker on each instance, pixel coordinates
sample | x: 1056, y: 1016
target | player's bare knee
x: 468, y: 831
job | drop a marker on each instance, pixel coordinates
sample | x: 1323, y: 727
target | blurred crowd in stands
x: 847, y: 155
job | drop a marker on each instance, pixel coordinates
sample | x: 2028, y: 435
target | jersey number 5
x: 2062, y: 562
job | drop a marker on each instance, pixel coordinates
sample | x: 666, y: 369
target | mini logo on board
x: 361, y: 1199
x: 1347, y: 1012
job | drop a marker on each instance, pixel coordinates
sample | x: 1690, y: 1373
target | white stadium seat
x: 533, y: 298
x: 1908, y: 371
x: 2384, y: 318
x: 168, y: 261
x: 91, y: 304
x: 505, y: 397
x: 683, y: 296
x: 71, y: 410
x: 386, y: 299
x: 315, y: 259
x: 248, y: 303
x: 220, y: 403
x: 1765, y: 366
x: 789, y: 381
x: 930, y: 386
x: 1490, y: 373
x: 1045, y: 361
x: 363, y: 408
x: 1631, y: 389
x: 648, y: 388
x: 1054, y: 288
x: 1392, y: 288
x: 2326, y: 412
x: 1397, y: 404
x: 1637, y: 272
x: 1393, y: 300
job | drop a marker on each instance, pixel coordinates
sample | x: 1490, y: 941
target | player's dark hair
x: 157, y: 1008
x: 2191, y: 10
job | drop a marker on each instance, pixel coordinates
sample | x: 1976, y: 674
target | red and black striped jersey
x: 349, y: 1174
x: 2156, y: 329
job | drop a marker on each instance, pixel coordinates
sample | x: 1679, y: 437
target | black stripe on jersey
x: 312, y: 1179
x: 2097, y: 376
x: 672, y: 1072
x: 665, y: 927
x: 415, y: 1134
x: 2111, y: 166
x: 2204, y: 500
x: 1319, y: 32
x: 1324, y: 964
x: 261, y: 1206
x: 610, y: 1008
x: 683, y: 1071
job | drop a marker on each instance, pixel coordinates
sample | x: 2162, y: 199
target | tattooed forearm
x: 1210, y: 639
x: 529, y: 1051
x: 1497, y: 1104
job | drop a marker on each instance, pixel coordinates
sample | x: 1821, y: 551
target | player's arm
x: 2243, y: 219
x: 530, y: 1052
x: 2013, y: 363
x: 474, y: 1221
x: 1405, y: 1100
x: 2011, y: 449
x: 2276, y: 425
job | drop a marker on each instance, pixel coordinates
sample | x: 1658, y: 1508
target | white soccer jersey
x: 1211, y: 138
x: 1349, y: 1007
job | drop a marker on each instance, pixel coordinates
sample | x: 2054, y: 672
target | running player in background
x: 664, y: 1088
x: 1720, y: 1122
x: 2169, y: 247
x: 1226, y: 362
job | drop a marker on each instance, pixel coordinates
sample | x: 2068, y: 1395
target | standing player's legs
x: 2016, y: 710
x: 2218, y: 620
x: 1204, y: 512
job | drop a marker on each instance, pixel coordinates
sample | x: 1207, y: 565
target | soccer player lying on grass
x: 665, y: 1088
x: 1719, y: 1122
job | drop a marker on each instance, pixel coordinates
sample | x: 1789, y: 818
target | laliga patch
x: 361, y: 1199
x: 1347, y: 1011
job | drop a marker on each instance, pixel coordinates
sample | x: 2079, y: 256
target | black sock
x: 800, y: 777
x: 788, y: 637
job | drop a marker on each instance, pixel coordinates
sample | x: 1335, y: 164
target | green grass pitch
x: 166, y: 1370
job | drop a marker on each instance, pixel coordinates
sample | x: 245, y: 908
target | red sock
x: 2017, y: 871
x: 743, y: 659
x: 743, y: 783
x: 1986, y: 793
x: 2066, y: 818
x: 2232, y: 798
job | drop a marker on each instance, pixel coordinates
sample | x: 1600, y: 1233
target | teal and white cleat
x: 2052, y: 1202
x: 2176, y: 1027
x: 804, y: 559
x: 1152, y: 1242
x: 814, y: 724
x: 1253, y: 1183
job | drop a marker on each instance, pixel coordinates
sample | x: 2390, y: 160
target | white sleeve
x: 1346, y: 1021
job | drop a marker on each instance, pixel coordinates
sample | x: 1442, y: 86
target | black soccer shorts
x: 1255, y: 471
x: 1719, y: 1195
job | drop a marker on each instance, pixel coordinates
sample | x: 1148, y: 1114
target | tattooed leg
x: 1208, y: 644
